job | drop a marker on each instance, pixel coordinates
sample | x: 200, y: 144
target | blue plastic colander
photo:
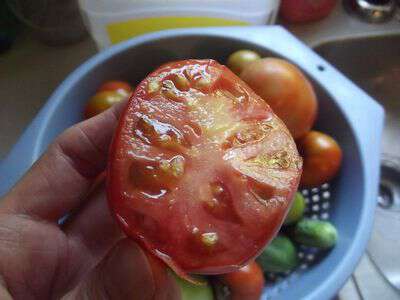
x: 345, y: 112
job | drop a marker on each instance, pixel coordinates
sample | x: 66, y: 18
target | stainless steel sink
x: 373, y: 63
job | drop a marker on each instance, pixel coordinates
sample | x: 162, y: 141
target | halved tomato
x: 201, y: 171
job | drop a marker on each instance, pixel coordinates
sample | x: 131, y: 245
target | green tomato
x: 190, y: 291
x: 238, y: 60
x: 296, y: 210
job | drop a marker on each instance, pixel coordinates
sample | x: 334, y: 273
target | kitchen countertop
x: 30, y: 72
x: 340, y: 25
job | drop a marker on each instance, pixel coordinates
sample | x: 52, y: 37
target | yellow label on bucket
x: 121, y: 31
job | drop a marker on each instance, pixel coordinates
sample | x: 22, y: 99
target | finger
x: 91, y: 233
x: 93, y: 226
x: 60, y: 180
x: 92, y: 240
x: 127, y: 273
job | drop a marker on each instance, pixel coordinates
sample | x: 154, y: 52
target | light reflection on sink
x: 373, y: 63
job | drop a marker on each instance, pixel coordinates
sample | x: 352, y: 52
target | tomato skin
x: 247, y: 283
x: 108, y: 94
x: 102, y: 101
x: 210, y: 197
x: 116, y: 85
x: 284, y: 87
x: 301, y: 11
x: 238, y: 60
x: 322, y: 158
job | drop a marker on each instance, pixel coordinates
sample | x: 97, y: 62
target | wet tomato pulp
x: 201, y: 171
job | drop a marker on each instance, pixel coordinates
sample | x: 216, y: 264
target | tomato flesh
x: 201, y: 171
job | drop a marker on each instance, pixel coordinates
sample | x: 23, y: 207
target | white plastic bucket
x: 113, y: 21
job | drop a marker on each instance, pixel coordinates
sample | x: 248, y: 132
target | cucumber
x: 279, y: 256
x: 190, y: 291
x: 315, y: 233
x: 296, y: 210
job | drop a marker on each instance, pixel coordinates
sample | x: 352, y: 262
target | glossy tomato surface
x: 322, y: 158
x: 285, y: 88
x: 102, y: 101
x: 116, y: 85
x: 201, y: 171
x: 247, y: 283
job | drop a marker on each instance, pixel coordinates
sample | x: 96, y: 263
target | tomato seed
x: 169, y: 90
x: 282, y: 159
x: 266, y: 126
x: 202, y: 83
x: 217, y: 189
x: 153, y: 86
x: 174, y: 167
x: 181, y: 82
x: 209, y: 238
x: 164, y: 139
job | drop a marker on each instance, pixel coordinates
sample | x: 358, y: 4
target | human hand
x: 88, y: 256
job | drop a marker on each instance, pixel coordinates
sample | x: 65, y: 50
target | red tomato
x: 247, y: 283
x: 322, y: 158
x: 299, y: 11
x: 102, y: 101
x: 115, y: 85
x: 201, y: 172
x: 286, y: 90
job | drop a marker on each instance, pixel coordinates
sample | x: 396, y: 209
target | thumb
x: 127, y: 272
